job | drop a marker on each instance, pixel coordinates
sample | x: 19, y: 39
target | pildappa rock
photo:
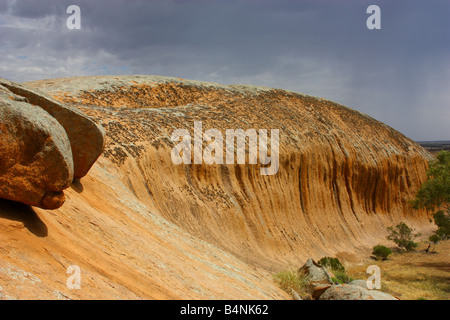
x: 35, y: 155
x: 87, y: 139
x: 143, y: 228
x: 343, y: 176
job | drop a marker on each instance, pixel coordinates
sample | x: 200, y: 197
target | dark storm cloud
x: 399, y: 74
x: 3, y: 6
x: 33, y: 8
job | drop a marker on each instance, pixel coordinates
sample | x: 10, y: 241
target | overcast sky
x: 399, y: 74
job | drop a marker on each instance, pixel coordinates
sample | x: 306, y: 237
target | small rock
x: 350, y: 292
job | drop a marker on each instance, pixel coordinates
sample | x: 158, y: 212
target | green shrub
x: 332, y: 263
x: 408, y: 245
x: 434, y: 238
x: 402, y: 235
x: 338, y: 269
x: 342, y: 277
x: 336, y: 280
x: 442, y: 220
x: 381, y: 252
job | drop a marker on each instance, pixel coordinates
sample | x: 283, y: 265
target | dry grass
x: 413, y: 275
x: 290, y: 279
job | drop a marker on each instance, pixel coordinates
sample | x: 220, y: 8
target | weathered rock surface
x: 343, y: 177
x: 35, y: 155
x: 86, y: 137
x: 318, y: 278
x: 140, y: 226
x: 350, y: 292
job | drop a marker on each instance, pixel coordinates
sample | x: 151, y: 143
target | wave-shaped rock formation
x: 139, y: 225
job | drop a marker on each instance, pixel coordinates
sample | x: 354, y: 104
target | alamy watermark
x: 374, y: 281
x: 74, y: 20
x: 374, y: 21
x: 213, y: 153
x: 74, y: 279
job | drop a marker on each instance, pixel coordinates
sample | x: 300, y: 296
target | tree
x: 442, y: 221
x: 434, y: 240
x: 435, y: 194
x: 381, y: 252
x: 402, y: 235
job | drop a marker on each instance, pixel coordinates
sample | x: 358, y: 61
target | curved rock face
x: 343, y: 177
x: 140, y: 225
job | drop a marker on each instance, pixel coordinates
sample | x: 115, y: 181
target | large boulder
x: 87, y: 139
x: 350, y: 292
x: 359, y: 283
x: 35, y: 154
x: 318, y: 278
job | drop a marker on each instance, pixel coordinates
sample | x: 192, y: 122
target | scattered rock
x: 351, y: 292
x: 87, y: 139
x: 36, y: 159
x: 319, y: 279
x: 322, y: 287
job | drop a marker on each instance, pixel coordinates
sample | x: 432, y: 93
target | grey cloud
x: 36, y: 9
x: 317, y: 47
